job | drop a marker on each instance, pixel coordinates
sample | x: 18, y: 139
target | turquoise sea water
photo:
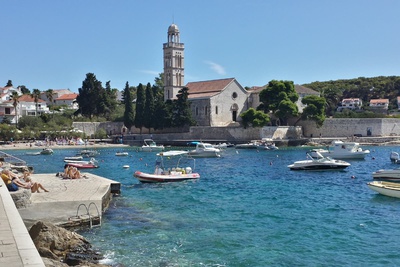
x: 247, y: 209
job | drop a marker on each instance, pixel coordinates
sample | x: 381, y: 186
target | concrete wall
x: 350, y: 127
x: 306, y: 129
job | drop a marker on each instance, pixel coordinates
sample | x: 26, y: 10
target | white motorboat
x: 122, y: 154
x: 387, y: 174
x: 319, y: 163
x: 88, y: 153
x: 343, y: 150
x: 395, y: 157
x: 385, y: 188
x: 91, y: 164
x: 205, y: 150
x: 46, y: 151
x: 151, y: 146
x: 163, y: 174
x: 262, y: 145
x: 76, y: 158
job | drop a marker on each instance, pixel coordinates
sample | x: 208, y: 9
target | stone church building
x: 214, y: 103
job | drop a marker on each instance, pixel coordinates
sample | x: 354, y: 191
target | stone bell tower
x: 174, y: 71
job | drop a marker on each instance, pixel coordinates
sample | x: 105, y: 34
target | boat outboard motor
x: 188, y: 170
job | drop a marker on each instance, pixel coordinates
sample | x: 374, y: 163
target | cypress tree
x: 149, y: 108
x: 129, y: 115
x: 140, y: 103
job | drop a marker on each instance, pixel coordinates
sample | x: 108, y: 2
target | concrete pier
x: 69, y: 203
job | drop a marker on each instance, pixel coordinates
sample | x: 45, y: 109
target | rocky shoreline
x: 59, y: 247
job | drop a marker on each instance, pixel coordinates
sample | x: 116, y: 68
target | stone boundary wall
x: 235, y: 134
x: 350, y: 127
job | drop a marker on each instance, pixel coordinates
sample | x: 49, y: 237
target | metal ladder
x: 88, y: 214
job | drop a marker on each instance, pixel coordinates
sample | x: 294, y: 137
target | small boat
x: 84, y: 164
x: 88, y: 153
x: 223, y: 145
x: 122, y: 154
x: 387, y: 175
x: 33, y: 153
x: 125, y: 166
x: 343, y: 150
x: 385, y: 188
x: 255, y: 144
x: 151, y: 146
x: 320, y: 163
x: 395, y: 157
x: 75, y: 158
x: 175, y: 174
x: 46, y: 151
x: 205, y: 150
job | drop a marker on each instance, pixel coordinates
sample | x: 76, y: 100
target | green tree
x: 181, y: 114
x: 36, y: 96
x: 149, y: 108
x: 255, y: 118
x: 89, y: 96
x: 333, y: 97
x: 279, y: 98
x: 140, y: 103
x: 50, y: 95
x: 161, y: 115
x: 9, y: 83
x: 15, y: 100
x: 24, y: 90
x: 315, y: 109
x: 129, y: 115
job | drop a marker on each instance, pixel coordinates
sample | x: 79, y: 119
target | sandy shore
x: 34, y: 147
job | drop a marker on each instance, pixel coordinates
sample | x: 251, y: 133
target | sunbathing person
x: 11, y: 186
x: 27, y: 183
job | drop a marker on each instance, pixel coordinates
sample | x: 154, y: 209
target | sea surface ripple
x: 247, y: 209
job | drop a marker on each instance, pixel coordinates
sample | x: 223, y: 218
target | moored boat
x: 122, y: 154
x: 205, y: 150
x: 46, y: 151
x: 385, y: 188
x: 387, y: 175
x: 151, y: 146
x: 163, y: 173
x: 91, y: 164
x: 394, y: 157
x: 343, y: 150
x: 320, y: 163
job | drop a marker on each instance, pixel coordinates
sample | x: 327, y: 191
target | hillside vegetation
x: 387, y: 87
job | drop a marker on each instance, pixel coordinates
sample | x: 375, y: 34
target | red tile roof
x: 207, y: 88
x: 68, y: 97
x: 28, y: 98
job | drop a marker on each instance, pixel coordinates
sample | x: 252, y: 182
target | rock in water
x: 57, y: 243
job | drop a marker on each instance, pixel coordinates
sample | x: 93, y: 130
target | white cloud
x: 152, y: 72
x: 216, y: 67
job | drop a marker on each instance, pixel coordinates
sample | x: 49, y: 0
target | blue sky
x: 53, y: 44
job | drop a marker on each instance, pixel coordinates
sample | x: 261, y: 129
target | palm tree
x: 49, y: 95
x: 15, y: 99
x: 35, y: 95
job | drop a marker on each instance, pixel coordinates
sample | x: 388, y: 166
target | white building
x: 350, y: 103
x: 68, y: 100
x: 57, y: 93
x: 217, y: 102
